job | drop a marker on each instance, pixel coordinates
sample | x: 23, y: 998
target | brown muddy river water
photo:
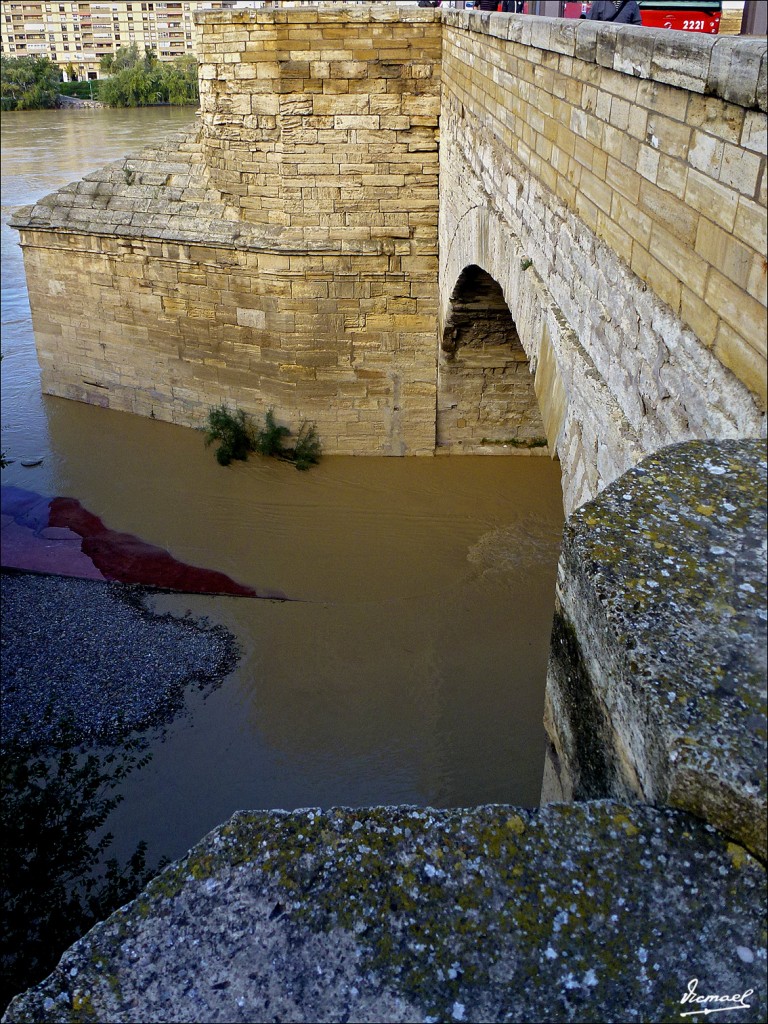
x: 412, y: 669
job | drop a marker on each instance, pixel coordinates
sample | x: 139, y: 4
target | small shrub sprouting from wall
x: 269, y: 441
x: 233, y: 432
x: 237, y: 438
x: 307, y: 451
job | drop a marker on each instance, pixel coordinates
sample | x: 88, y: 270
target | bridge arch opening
x: 486, y: 391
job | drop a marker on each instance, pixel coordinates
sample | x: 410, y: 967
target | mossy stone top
x: 583, y: 912
x: 672, y: 559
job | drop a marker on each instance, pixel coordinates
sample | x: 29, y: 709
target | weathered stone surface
x: 569, y: 913
x: 657, y: 678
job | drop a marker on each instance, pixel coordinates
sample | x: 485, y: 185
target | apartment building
x: 80, y: 34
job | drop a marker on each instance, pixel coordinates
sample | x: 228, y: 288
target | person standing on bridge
x: 620, y: 12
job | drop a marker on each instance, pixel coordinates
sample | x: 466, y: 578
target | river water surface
x: 412, y: 668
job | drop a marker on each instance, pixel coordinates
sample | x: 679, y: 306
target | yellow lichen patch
x: 737, y: 854
x: 516, y: 824
x: 623, y: 821
x: 82, y: 1007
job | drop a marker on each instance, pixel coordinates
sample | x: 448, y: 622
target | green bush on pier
x: 269, y: 441
x: 237, y: 438
x: 233, y: 432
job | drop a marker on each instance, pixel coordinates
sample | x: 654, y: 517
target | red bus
x: 685, y: 15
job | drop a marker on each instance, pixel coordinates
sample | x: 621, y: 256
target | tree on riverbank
x: 143, y: 81
x: 28, y: 83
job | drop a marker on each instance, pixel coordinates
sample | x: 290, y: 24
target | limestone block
x: 725, y: 252
x: 742, y: 357
x: 741, y: 170
x: 712, y: 198
x: 635, y: 52
x: 755, y: 133
x: 255, y: 318
x: 702, y: 319
x: 743, y: 313
x: 606, y: 50
x: 683, y: 63
x: 735, y: 68
x: 713, y: 116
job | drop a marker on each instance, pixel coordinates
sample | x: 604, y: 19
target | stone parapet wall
x: 605, y: 177
x: 656, y: 683
x: 592, y: 912
x: 656, y: 141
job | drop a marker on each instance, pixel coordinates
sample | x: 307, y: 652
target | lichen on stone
x: 663, y: 581
x: 571, y: 912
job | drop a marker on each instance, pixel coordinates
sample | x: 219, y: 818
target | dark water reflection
x: 412, y: 670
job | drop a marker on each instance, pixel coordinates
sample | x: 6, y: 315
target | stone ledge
x: 569, y: 913
x: 163, y: 193
x: 731, y: 68
x: 328, y: 12
x: 657, y: 674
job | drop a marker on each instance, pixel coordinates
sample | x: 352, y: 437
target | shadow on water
x: 57, y: 878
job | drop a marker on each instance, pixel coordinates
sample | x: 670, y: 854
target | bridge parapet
x: 625, y: 169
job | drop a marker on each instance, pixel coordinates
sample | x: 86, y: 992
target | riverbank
x: 89, y: 654
x: 75, y: 103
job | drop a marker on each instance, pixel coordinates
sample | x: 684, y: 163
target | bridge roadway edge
x: 118, y: 955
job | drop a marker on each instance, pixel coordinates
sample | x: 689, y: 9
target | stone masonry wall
x: 325, y: 119
x: 613, y: 182
x: 284, y: 256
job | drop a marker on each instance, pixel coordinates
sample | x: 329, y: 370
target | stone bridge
x: 457, y: 232
x: 431, y: 232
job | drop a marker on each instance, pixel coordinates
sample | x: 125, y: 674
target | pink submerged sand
x: 59, y: 536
